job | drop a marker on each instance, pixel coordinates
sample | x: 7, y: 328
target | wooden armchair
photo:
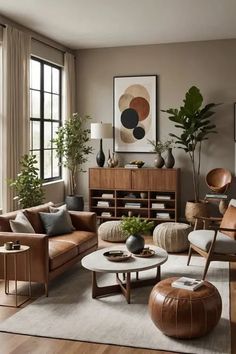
x: 217, y: 243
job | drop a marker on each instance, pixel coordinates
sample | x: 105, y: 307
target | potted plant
x: 72, y: 149
x: 28, y: 185
x: 135, y: 227
x: 195, y: 124
x: 159, y: 147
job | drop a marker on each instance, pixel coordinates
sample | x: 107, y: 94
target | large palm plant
x: 195, y: 125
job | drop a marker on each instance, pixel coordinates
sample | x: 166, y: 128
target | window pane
x: 47, y: 135
x: 55, y: 127
x: 55, y: 80
x: 34, y: 104
x: 56, y: 171
x: 55, y: 107
x: 37, y: 153
x: 35, y: 135
x: 47, y: 105
x: 47, y: 164
x: 35, y: 74
x: 47, y: 78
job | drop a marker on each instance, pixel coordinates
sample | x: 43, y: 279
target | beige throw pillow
x: 21, y: 224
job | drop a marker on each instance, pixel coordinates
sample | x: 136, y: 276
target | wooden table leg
x: 103, y: 290
x: 15, y: 271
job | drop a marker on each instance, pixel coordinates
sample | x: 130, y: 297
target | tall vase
x: 159, y: 161
x: 170, y: 160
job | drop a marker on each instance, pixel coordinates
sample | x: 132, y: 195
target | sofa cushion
x: 203, y: 239
x: 60, y: 252
x: 21, y: 224
x: 56, y: 223
x: 32, y: 215
x: 63, y: 207
x: 82, y: 239
x: 4, y: 224
x: 229, y: 221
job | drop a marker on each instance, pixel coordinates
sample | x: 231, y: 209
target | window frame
x: 43, y: 120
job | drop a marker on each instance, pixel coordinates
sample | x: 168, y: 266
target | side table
x: 13, y: 254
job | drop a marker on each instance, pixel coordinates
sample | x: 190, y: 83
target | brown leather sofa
x: 50, y: 256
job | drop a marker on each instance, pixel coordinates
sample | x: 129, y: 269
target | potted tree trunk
x: 72, y: 148
x: 195, y: 124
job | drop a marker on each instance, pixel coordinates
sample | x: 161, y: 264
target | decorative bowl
x: 138, y: 163
x: 117, y: 256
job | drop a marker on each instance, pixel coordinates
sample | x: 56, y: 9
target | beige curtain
x: 69, y: 101
x: 15, y: 121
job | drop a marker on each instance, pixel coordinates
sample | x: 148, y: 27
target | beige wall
x: 210, y: 65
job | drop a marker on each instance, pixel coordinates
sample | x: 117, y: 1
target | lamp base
x: 100, y: 158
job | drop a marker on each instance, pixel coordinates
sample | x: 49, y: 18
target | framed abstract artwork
x: 134, y: 104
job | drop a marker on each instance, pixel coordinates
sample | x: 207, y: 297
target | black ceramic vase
x: 170, y: 160
x: 135, y: 243
x: 159, y: 161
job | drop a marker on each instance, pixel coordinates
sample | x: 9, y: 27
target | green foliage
x: 71, y: 145
x: 195, y: 125
x: 28, y: 185
x: 134, y: 225
x: 159, y: 146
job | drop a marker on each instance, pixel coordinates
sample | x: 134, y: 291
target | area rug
x: 70, y: 313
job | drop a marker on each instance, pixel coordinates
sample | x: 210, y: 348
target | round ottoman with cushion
x: 184, y: 313
x: 172, y: 236
x: 110, y: 231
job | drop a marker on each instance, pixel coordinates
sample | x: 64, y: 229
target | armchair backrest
x: 229, y: 221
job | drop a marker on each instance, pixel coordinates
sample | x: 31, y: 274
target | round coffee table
x: 96, y: 262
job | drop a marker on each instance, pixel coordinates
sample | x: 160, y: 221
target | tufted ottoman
x: 110, y: 231
x: 172, y: 236
x: 183, y: 313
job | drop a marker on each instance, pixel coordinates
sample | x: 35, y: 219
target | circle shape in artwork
x: 129, y: 118
x: 139, y: 133
x: 141, y: 106
x: 124, y: 101
x: 138, y: 90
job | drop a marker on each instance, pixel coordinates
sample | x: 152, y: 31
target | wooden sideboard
x: 153, y: 193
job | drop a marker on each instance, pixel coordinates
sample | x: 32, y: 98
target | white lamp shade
x: 101, y: 131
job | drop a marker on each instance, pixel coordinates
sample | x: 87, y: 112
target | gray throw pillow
x: 21, y: 224
x: 63, y: 207
x: 55, y: 223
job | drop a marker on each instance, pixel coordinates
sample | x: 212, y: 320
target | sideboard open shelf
x: 149, y: 192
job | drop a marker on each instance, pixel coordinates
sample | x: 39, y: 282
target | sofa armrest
x: 84, y: 220
x: 39, y: 255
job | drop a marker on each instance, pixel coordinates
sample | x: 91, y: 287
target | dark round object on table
x: 183, y: 313
x: 135, y: 243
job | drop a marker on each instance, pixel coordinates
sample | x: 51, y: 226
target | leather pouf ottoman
x: 183, y: 313
x: 172, y: 236
x: 110, y: 231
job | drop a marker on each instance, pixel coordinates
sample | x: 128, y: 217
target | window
x: 45, y: 115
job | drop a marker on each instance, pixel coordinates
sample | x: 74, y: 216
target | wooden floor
x: 22, y: 344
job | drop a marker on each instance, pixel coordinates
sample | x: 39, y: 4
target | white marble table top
x: 96, y: 262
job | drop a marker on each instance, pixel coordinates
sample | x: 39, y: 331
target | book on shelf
x: 187, y: 283
x: 216, y: 196
x: 132, y: 205
x: 163, y: 215
x: 107, y: 195
x: 103, y: 204
x: 164, y: 197
x: 128, y: 165
x: 106, y: 214
x: 158, y: 205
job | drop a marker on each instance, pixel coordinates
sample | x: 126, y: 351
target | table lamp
x: 101, y: 131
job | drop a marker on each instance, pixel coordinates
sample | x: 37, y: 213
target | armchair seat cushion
x: 203, y: 239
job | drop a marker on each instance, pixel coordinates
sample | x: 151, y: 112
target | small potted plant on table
x: 135, y: 227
